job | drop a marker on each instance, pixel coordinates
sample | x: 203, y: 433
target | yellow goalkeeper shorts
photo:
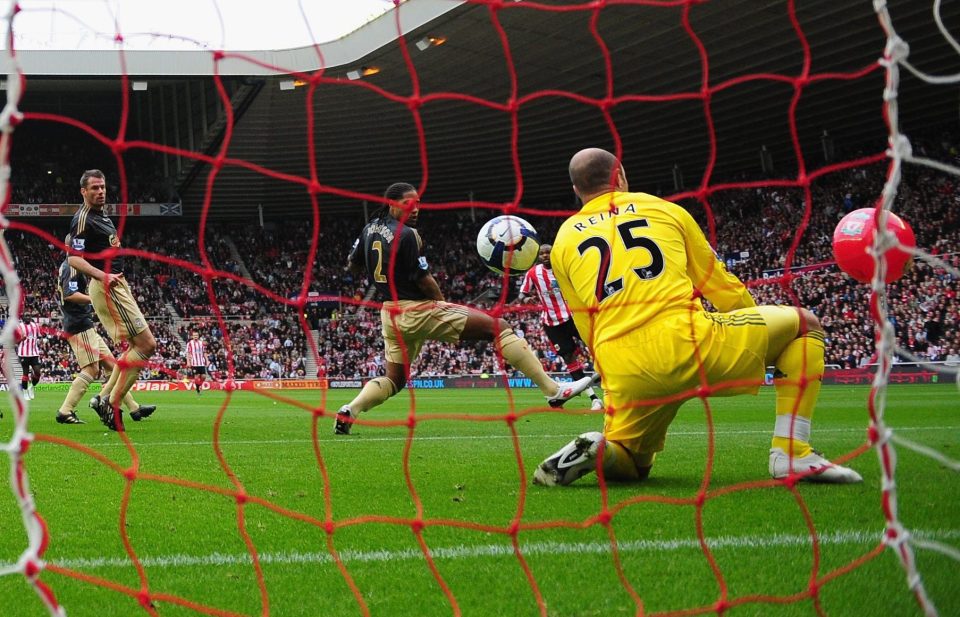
x: 649, y: 374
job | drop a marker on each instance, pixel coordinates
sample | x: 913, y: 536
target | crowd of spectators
x: 755, y: 232
x: 49, y: 175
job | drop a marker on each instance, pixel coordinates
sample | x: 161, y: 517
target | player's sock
x: 110, y: 384
x: 516, y: 351
x: 137, y: 360
x: 620, y: 465
x: 797, y: 381
x: 374, y: 392
x: 23, y: 383
x: 129, y: 403
x: 35, y: 379
x: 77, y: 389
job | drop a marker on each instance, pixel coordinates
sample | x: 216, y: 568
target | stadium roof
x: 366, y: 132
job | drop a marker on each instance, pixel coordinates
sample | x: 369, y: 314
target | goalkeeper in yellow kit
x: 633, y: 268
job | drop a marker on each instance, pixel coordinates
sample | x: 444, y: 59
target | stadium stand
x: 267, y: 340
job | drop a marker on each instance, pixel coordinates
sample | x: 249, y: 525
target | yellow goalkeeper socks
x: 797, y: 381
x: 621, y: 466
x: 374, y: 392
x: 516, y: 351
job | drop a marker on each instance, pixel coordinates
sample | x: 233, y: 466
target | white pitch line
x: 503, y: 550
x: 350, y: 440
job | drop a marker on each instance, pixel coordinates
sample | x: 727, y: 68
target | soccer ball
x: 508, y: 244
x: 853, y: 238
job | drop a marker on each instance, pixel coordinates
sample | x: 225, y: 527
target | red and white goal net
x: 614, y: 44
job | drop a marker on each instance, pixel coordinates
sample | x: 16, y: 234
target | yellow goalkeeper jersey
x: 628, y: 259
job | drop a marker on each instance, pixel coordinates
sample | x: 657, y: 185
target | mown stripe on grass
x: 366, y: 439
x: 505, y: 550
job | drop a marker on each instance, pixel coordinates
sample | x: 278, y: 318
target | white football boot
x: 814, y: 468
x: 571, y: 462
x: 574, y: 388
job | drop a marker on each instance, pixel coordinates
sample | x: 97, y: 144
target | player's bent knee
x: 397, y: 375
x: 811, y: 323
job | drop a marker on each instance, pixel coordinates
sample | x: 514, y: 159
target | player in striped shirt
x: 556, y: 318
x: 28, y: 350
x: 197, y: 357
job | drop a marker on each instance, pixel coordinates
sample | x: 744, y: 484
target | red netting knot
x: 801, y: 82
x: 16, y: 8
x: 513, y: 106
x: 230, y: 385
x: 704, y: 391
x: 416, y: 526
x: 242, y: 498
x: 701, y: 499
x: 118, y: 38
x: 720, y: 607
x: 144, y: 599
x: 606, y: 104
x: 803, y: 179
x: 14, y: 119
x: 495, y: 5
x: 873, y: 435
x: 314, y: 187
x: 130, y: 473
x: 814, y: 589
x: 605, y: 517
x: 219, y: 55
x: 511, y: 418
x: 414, y: 103
x: 31, y: 569
x: 411, y: 421
x: 329, y: 528
x: 25, y: 445
x: 513, y: 529
x: 118, y: 147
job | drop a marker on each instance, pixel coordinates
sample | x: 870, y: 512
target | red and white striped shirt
x: 540, y: 279
x: 196, y: 352
x: 27, y: 335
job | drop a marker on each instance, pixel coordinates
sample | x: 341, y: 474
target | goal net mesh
x: 709, y: 199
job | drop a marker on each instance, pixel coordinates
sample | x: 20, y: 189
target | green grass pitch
x: 462, y: 478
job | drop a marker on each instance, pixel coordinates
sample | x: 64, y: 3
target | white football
x: 508, y: 244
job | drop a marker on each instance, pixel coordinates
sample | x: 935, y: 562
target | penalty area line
x: 349, y: 440
x: 457, y: 552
